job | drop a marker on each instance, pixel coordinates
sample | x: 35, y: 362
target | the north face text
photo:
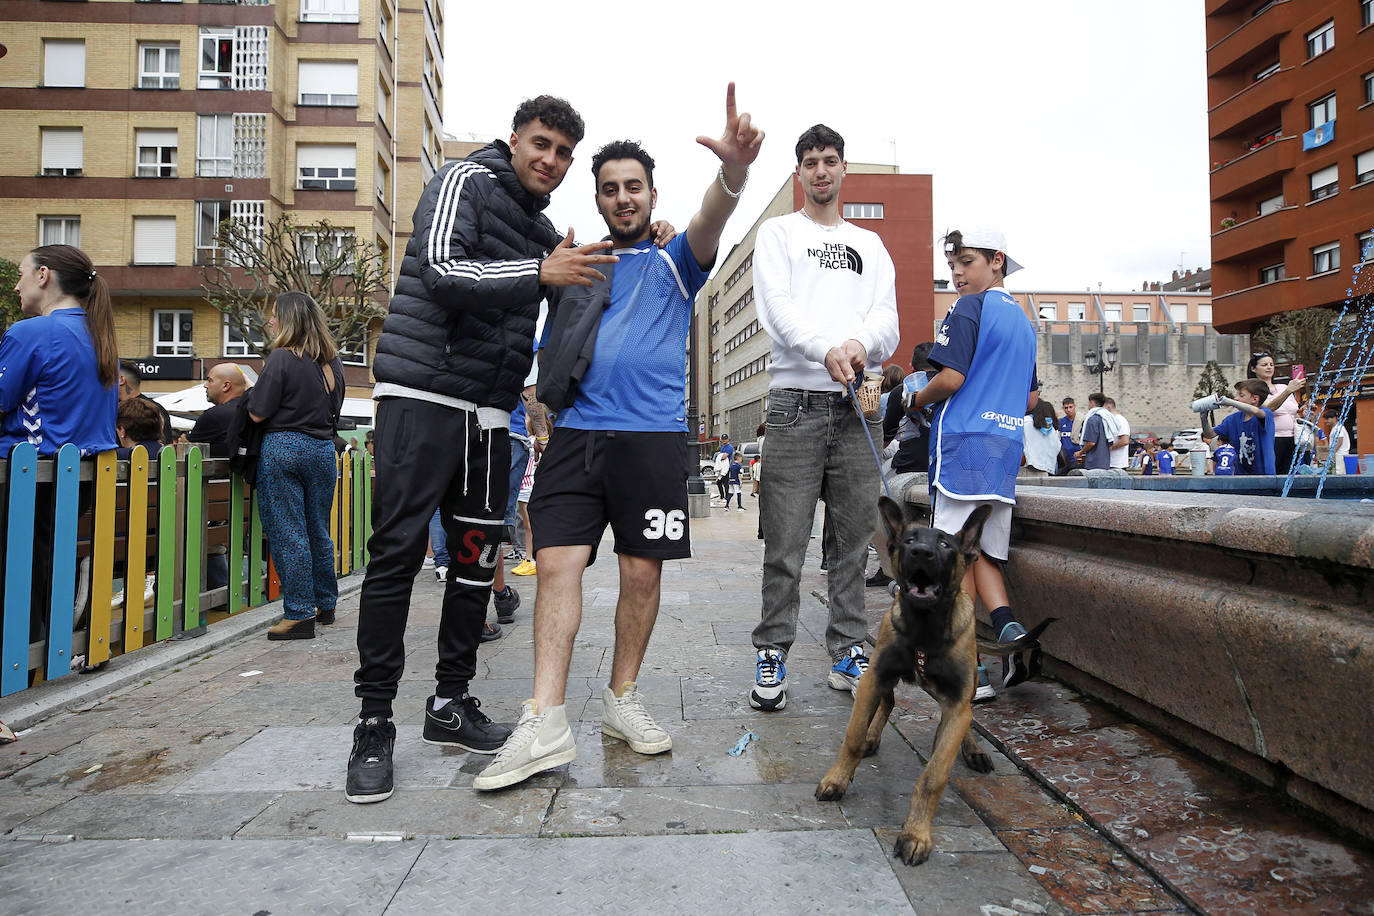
x: 837, y: 256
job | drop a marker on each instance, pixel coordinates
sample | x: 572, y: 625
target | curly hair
x: 554, y: 112
x: 818, y: 136
x: 623, y: 149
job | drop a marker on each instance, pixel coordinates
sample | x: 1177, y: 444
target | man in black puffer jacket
x: 452, y: 359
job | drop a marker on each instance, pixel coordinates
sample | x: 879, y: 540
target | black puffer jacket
x: 461, y: 323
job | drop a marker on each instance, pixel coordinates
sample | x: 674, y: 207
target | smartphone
x: 1299, y: 371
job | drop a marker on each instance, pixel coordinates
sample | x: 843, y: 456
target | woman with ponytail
x: 58, y: 367
x: 297, y: 399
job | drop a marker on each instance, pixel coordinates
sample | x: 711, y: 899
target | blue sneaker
x: 984, y: 692
x: 770, y: 681
x: 848, y: 670
x: 1014, y: 667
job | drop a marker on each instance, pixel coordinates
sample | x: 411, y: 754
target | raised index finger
x: 594, y: 247
x: 730, y: 101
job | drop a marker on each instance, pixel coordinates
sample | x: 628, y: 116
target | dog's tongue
x: 921, y: 591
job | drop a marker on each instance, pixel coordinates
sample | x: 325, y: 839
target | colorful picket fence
x: 98, y: 521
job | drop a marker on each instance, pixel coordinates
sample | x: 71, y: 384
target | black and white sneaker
x: 461, y: 723
x: 506, y: 604
x: 369, y: 764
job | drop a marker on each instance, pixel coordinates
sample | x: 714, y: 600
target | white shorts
x: 950, y: 515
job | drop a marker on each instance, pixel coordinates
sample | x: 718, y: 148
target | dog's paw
x: 913, y: 849
x: 978, y: 762
x: 830, y: 790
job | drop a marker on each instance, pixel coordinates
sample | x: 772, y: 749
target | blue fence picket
x: 14, y: 651
x: 67, y: 483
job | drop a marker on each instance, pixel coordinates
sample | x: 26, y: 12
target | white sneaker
x: 441, y: 573
x: 625, y: 717
x: 541, y: 741
x: 428, y: 564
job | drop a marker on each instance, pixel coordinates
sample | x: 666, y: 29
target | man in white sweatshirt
x: 826, y: 295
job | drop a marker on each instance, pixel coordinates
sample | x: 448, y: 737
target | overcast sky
x: 1078, y: 126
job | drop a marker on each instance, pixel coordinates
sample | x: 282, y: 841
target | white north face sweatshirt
x: 816, y: 287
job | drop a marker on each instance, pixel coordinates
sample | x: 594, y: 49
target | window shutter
x: 328, y: 77
x: 1364, y: 162
x: 155, y: 239
x: 1324, y: 177
x: 326, y: 156
x: 62, y: 148
x: 64, y: 63
x: 156, y: 138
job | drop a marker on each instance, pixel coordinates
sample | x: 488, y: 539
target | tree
x: 1211, y: 382
x: 346, y: 277
x: 1302, y: 336
x: 10, y: 311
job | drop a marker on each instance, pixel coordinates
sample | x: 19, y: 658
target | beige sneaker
x: 541, y: 741
x: 625, y: 717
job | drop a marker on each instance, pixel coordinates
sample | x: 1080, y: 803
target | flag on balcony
x: 1320, y: 135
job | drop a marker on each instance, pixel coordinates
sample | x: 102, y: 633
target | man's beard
x: 630, y: 233
x: 827, y: 197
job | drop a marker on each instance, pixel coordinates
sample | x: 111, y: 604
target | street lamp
x: 1098, y: 366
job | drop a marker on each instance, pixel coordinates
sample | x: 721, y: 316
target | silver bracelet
x: 733, y: 195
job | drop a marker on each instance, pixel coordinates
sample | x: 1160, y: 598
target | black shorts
x: 637, y: 482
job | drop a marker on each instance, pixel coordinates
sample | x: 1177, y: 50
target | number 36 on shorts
x: 665, y: 524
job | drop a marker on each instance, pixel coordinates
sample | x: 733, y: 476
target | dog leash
x: 863, y: 421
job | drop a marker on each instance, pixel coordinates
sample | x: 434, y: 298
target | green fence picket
x: 235, y: 544
x: 166, y: 540
x: 255, y: 592
x: 195, y: 539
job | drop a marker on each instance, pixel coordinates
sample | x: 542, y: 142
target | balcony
x: 1260, y: 100
x: 1254, y: 234
x: 1234, y: 47
x: 1249, y: 169
x: 1236, y: 313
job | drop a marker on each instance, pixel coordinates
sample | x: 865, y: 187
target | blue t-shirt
x: 50, y: 392
x: 1066, y: 436
x: 1099, y: 459
x: 1163, y: 460
x: 976, y: 440
x: 727, y: 449
x: 1253, y: 438
x: 638, y: 377
x: 1224, y: 461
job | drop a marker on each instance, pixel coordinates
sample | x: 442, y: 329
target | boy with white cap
x: 986, y: 384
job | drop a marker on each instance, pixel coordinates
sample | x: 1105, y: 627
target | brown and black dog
x: 932, y: 616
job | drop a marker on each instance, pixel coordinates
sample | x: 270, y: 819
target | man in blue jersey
x: 628, y: 411
x: 1066, y: 424
x: 987, y: 383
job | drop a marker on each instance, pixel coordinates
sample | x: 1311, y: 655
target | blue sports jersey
x: 1253, y: 438
x: 1163, y: 463
x: 976, y: 441
x: 1066, y: 436
x: 638, y: 376
x: 50, y: 391
x: 1224, y: 461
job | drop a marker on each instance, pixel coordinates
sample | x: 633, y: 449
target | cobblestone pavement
x: 233, y: 761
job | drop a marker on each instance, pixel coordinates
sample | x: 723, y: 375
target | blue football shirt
x: 638, y: 377
x: 976, y: 440
x: 1224, y: 461
x: 50, y: 392
x: 1253, y: 438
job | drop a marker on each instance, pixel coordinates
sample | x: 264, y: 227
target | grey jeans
x: 815, y: 449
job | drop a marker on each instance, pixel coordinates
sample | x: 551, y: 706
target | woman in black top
x: 297, y: 399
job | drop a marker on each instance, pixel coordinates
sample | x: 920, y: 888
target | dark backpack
x: 245, y: 442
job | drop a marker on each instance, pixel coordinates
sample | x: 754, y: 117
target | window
x: 1059, y: 349
x: 1159, y: 349
x: 157, y: 153
x: 354, y: 352
x: 1364, y: 166
x: 1270, y: 204
x: 383, y: 24
x: 1364, y: 246
x: 383, y: 103
x: 1321, y: 39
x: 383, y: 180
x: 64, y: 62
x: 155, y: 239
x: 329, y: 82
x: 159, y: 67
x: 1178, y: 312
x: 1195, y: 347
x: 1267, y: 71
x: 326, y: 167
x: 1128, y: 349
x: 209, y: 214
x: 334, y: 250
x: 863, y: 211
x: 1226, y: 350
x: 172, y: 333
x: 1324, y: 183
x: 1273, y: 273
x: 1204, y: 313
x: 62, y: 150
x: 329, y: 10
x: 1368, y: 79
x: 216, y: 59
x: 215, y: 146
x: 59, y: 230
x: 1078, y: 311
x: 1113, y: 311
x: 1140, y: 312
x: 236, y: 345
x: 1326, y: 257
x: 1366, y: 12
x: 1321, y: 111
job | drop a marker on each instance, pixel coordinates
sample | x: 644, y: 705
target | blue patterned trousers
x: 296, y: 478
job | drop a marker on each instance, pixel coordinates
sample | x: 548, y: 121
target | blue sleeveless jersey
x: 976, y: 440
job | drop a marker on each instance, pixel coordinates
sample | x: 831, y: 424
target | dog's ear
x: 892, y: 517
x: 971, y: 535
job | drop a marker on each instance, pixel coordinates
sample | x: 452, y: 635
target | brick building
x: 1290, y: 89
x: 728, y: 352
x: 135, y: 128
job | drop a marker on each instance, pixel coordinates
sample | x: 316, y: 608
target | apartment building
x: 135, y: 128
x: 728, y: 352
x: 1290, y: 89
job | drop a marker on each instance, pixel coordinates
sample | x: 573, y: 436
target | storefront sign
x: 176, y: 368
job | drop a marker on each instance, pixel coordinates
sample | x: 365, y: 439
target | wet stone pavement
x: 215, y: 786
